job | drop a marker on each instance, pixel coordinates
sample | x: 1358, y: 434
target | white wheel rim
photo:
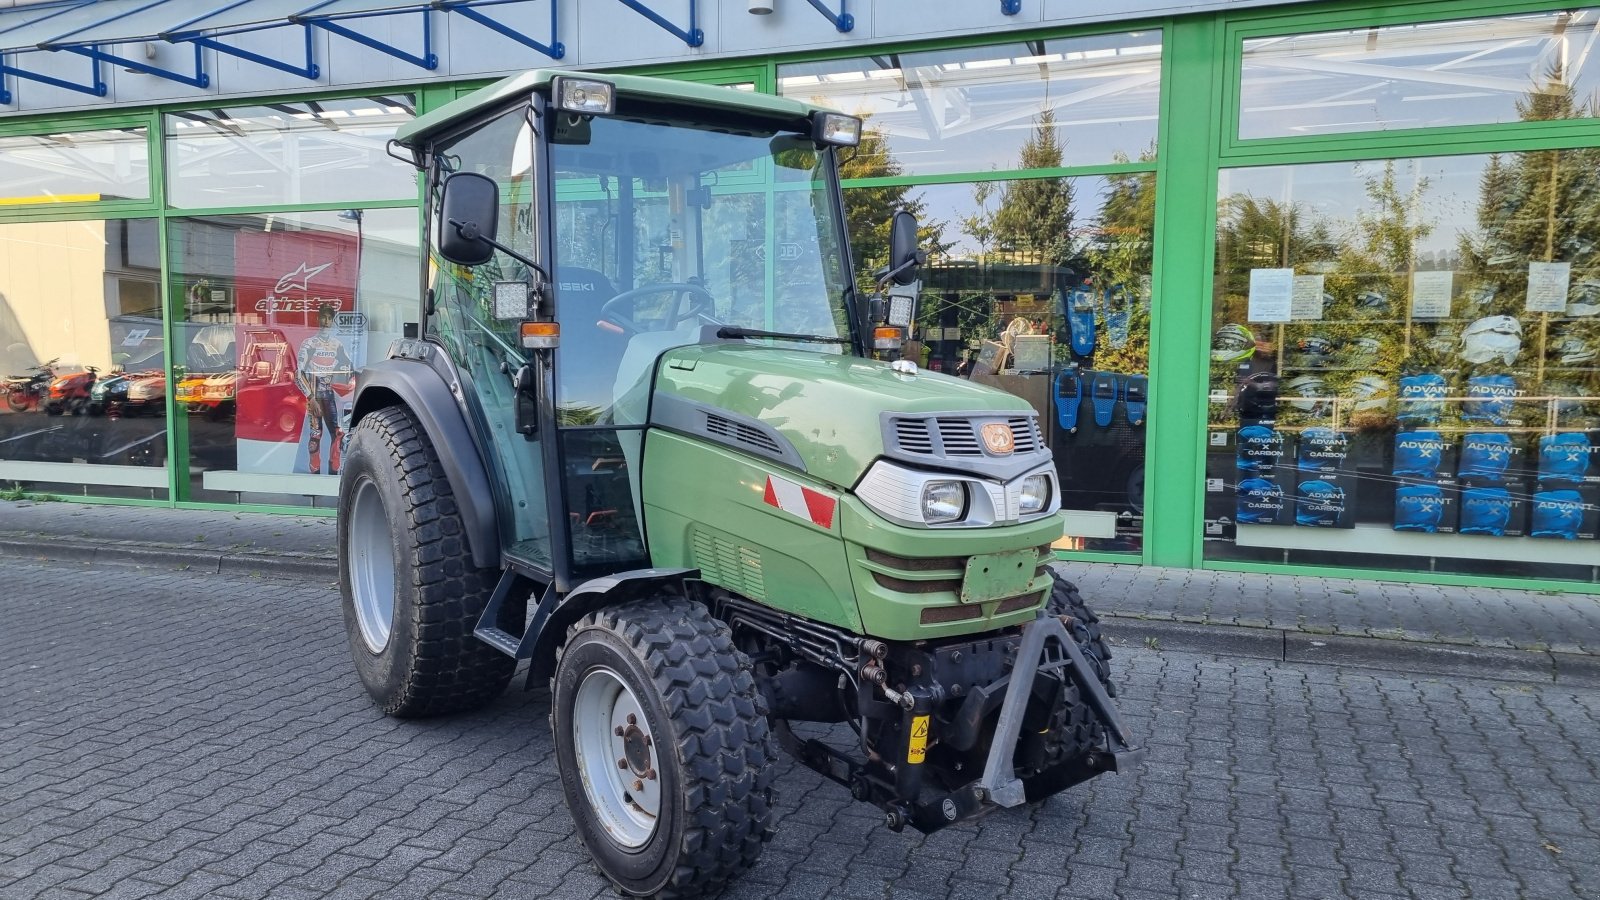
x: 371, y: 567
x: 616, y: 758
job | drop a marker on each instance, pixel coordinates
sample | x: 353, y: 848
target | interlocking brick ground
x: 185, y: 735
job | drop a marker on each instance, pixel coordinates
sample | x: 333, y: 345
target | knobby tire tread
x: 451, y: 670
x: 726, y: 750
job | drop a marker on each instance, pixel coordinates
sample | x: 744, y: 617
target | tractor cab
x: 668, y: 220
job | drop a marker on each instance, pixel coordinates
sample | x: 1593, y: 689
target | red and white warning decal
x: 799, y: 500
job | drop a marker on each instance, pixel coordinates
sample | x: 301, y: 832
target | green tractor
x: 640, y: 439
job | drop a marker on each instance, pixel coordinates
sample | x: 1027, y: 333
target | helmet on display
x: 1372, y: 303
x: 1309, y: 394
x: 1585, y: 298
x: 1258, y: 395
x: 1314, y: 350
x: 1482, y: 295
x: 1231, y: 342
x: 1491, y: 338
x: 1363, y: 348
x: 1371, y: 392
x: 1572, y: 349
x: 1566, y: 400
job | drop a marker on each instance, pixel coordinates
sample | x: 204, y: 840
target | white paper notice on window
x: 1272, y: 295
x: 1430, y: 294
x: 1306, y: 301
x: 1547, y: 286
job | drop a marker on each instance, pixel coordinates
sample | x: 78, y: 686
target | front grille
x: 1025, y: 432
x: 916, y: 563
x: 959, y: 437
x: 938, y: 615
x: 912, y: 435
x: 911, y: 586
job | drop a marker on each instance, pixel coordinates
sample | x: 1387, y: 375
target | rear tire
x: 410, y: 591
x: 667, y: 668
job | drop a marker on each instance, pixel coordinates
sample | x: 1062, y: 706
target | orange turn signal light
x: 887, y: 338
x: 541, y: 335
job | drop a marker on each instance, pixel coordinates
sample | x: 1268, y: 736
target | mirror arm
x: 917, y: 259
x: 469, y: 231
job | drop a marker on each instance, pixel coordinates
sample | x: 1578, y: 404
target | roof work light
x: 584, y: 96
x: 836, y: 128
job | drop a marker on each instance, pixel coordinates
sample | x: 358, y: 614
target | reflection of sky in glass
x: 1413, y: 76
x: 948, y: 204
x: 972, y: 109
x: 1333, y: 193
x: 113, y: 164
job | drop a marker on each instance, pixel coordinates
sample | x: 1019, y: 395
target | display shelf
x: 1384, y: 540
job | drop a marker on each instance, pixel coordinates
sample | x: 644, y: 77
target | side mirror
x: 904, y: 254
x: 469, y: 215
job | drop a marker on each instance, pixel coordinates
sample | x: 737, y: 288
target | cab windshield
x: 673, y: 233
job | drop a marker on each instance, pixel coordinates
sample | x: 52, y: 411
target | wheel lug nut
x: 632, y: 720
x: 647, y: 741
x: 617, y: 731
x: 622, y: 764
x: 638, y: 785
x: 650, y: 774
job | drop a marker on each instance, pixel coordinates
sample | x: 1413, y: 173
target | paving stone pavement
x: 175, y: 734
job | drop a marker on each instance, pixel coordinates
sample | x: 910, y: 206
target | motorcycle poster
x: 299, y: 341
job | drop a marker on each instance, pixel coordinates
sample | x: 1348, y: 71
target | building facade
x: 1295, y: 286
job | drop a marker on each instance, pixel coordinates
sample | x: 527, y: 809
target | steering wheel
x: 700, y: 303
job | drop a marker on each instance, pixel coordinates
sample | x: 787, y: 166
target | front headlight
x: 943, y: 501
x: 1034, y: 495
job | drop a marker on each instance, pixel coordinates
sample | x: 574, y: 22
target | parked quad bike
x: 25, y: 392
x: 71, y: 392
x: 699, y: 523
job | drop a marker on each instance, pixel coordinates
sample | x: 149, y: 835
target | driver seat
x: 589, y: 354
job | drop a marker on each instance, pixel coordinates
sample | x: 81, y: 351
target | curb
x: 171, y: 556
x: 1423, y: 658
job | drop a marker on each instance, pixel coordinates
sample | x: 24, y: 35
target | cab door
x: 478, y: 328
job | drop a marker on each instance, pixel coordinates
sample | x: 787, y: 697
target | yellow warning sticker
x: 918, y: 751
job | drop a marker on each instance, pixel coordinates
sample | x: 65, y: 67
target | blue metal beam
x: 177, y: 35
x: 199, y: 79
x: 843, y: 21
x: 469, y: 8
x: 694, y: 37
x: 95, y: 89
x: 310, y: 70
x: 1010, y: 7
x: 428, y: 60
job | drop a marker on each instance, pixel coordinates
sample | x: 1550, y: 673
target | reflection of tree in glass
x: 1119, y: 259
x: 1539, y: 206
x: 868, y: 209
x: 1035, y: 214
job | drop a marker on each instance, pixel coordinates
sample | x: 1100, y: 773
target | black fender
x: 607, y: 590
x: 421, y: 388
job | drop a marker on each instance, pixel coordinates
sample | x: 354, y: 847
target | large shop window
x: 1041, y: 287
x: 75, y: 167
x: 977, y: 109
x: 1406, y: 365
x: 81, y: 348
x: 275, y: 315
x: 1468, y: 72
x: 323, y: 151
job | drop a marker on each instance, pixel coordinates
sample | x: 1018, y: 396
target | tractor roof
x: 688, y: 93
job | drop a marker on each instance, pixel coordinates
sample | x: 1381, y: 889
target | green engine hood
x: 829, y: 407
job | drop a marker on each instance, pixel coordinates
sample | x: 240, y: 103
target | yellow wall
x: 53, y: 301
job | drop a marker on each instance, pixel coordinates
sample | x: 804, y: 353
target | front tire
x: 1074, y: 728
x: 656, y: 688
x: 410, y: 591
